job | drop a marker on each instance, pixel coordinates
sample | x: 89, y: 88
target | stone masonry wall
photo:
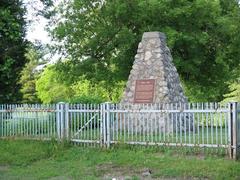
x: 154, y: 61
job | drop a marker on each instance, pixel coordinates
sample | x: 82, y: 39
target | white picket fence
x: 205, y: 125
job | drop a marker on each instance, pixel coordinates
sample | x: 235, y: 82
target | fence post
x: 108, y: 124
x: 105, y: 124
x: 229, y: 125
x: 234, y: 130
x: 66, y: 124
x: 102, y: 126
x: 58, y: 122
x: 237, y: 131
x: 62, y: 121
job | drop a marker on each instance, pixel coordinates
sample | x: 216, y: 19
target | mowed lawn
x: 21, y: 159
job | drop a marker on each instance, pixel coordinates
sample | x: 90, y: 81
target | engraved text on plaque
x: 144, y: 91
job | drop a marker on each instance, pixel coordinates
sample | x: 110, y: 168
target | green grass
x: 48, y: 160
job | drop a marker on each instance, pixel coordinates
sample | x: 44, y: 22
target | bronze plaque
x: 144, y: 91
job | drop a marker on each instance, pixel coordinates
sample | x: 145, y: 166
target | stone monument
x: 153, y: 80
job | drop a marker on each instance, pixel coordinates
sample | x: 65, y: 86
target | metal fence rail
x: 200, y: 124
x: 30, y: 121
x: 213, y: 125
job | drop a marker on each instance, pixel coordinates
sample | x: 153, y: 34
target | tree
x: 55, y: 86
x: 101, y: 37
x: 234, y: 94
x: 49, y: 89
x: 29, y: 76
x: 12, y: 49
x: 234, y: 87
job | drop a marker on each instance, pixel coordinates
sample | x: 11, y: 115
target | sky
x: 36, y: 28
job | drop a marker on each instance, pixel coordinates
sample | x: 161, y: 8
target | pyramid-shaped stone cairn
x: 153, y: 80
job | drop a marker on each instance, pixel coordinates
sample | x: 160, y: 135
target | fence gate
x: 83, y: 123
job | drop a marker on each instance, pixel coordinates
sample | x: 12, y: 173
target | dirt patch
x: 60, y: 178
x: 180, y: 178
x: 111, y: 171
x: 4, y: 168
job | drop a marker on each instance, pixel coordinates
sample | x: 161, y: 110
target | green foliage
x: 84, y: 88
x: 49, y: 89
x: 101, y: 39
x: 234, y: 94
x: 198, y: 93
x: 86, y: 100
x: 12, y: 48
x: 28, y: 77
x: 54, y: 86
